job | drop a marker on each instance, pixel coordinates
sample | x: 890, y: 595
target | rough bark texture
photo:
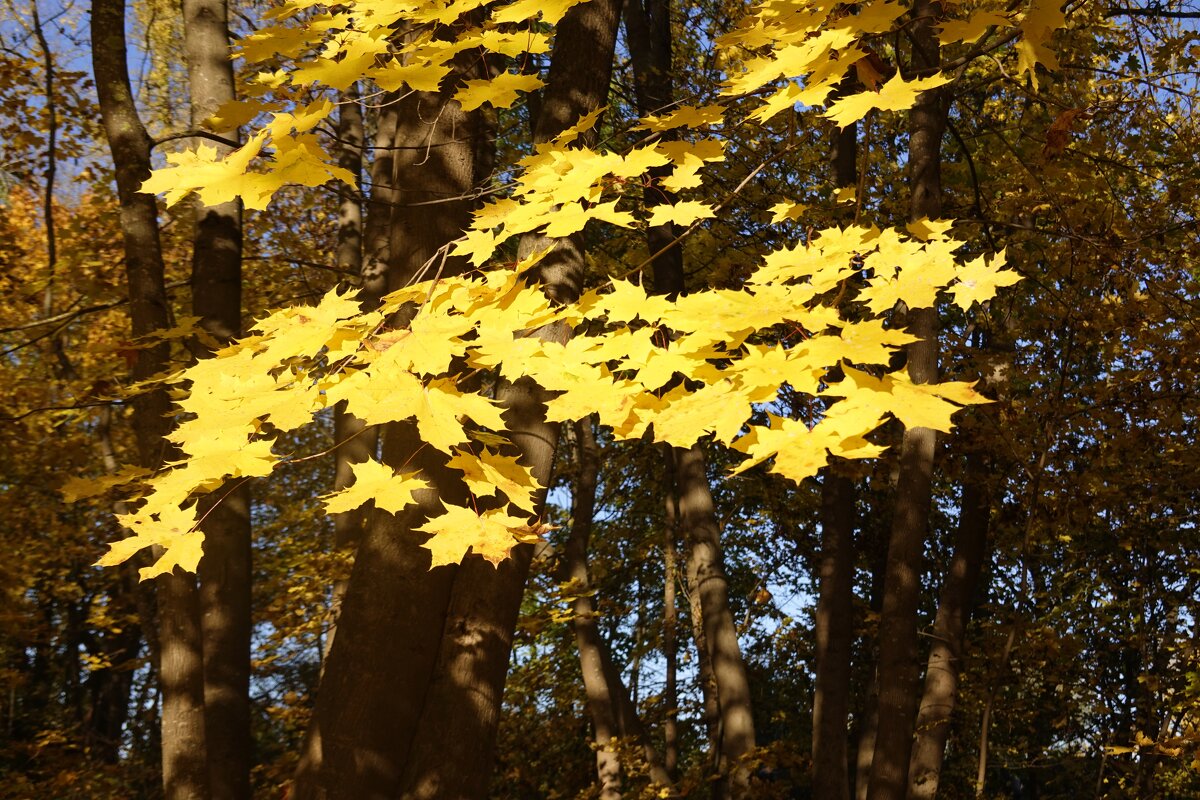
x: 224, y: 572
x: 949, y: 628
x: 185, y: 769
x: 899, y: 671
x: 390, y: 625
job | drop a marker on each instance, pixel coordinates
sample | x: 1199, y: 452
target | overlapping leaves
x: 678, y: 371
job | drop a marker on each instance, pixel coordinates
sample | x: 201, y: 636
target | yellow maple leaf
x: 499, y: 92
x: 683, y: 213
x: 169, y: 527
x: 969, y: 31
x: 895, y: 95
x: 441, y: 408
x: 784, y: 210
x: 917, y: 405
x: 551, y: 10
x: 684, y: 116
x: 390, y: 490
x: 420, y: 77
x: 490, y: 472
x: 491, y: 535
x: 978, y: 281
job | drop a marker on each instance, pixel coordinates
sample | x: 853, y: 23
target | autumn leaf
x: 459, y: 531
x: 391, y: 491
x: 895, y: 95
x: 499, y: 92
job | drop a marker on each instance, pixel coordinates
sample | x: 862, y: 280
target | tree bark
x: 670, y: 625
x: 224, y: 571
x: 392, y: 615
x: 352, y: 442
x: 949, y: 629
x: 834, y: 630
x: 899, y: 671
x: 184, y: 758
x: 453, y: 753
x: 706, y: 566
x: 574, y: 573
x: 833, y: 634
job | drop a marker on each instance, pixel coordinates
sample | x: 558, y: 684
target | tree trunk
x: 224, y: 571
x: 899, y: 671
x: 453, y: 753
x: 670, y: 624
x: 574, y: 572
x: 833, y: 634
x: 392, y: 615
x: 352, y: 442
x: 647, y: 25
x: 706, y: 566
x: 184, y: 759
x: 949, y: 629
x: 834, y: 616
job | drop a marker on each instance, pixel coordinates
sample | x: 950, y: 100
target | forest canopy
x: 599, y: 399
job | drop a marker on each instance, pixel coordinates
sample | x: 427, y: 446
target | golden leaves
x: 895, y: 95
x: 391, y: 491
x: 499, y: 92
x: 491, y: 535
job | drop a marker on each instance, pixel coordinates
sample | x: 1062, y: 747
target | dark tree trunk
x: 834, y: 621
x: 181, y: 672
x: 899, y: 670
x: 224, y: 572
x: 834, y: 633
x: 391, y: 620
x: 353, y: 443
x: 949, y: 629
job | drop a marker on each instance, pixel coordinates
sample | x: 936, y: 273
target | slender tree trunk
x: 899, y: 671
x: 352, y: 442
x: 670, y: 624
x: 706, y: 565
x: 184, y: 758
x: 834, y: 631
x: 834, y: 625
x: 949, y: 629
x: 704, y: 671
x: 647, y: 24
x: 613, y: 709
x: 224, y: 572
x: 574, y: 572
